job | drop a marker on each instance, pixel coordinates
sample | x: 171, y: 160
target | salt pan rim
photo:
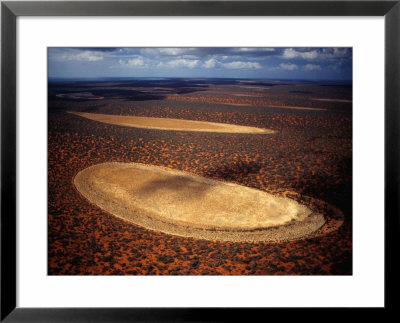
x: 182, y: 204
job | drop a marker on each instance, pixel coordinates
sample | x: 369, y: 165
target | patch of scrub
x: 172, y: 124
x: 183, y: 204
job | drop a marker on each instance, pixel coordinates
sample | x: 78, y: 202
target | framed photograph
x: 197, y: 160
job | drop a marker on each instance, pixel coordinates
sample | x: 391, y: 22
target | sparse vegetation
x: 311, y: 154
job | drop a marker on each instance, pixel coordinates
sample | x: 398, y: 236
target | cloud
x: 134, y: 62
x: 288, y: 67
x: 254, y: 49
x: 311, y: 67
x: 290, y: 53
x: 210, y: 63
x: 207, y: 52
x: 174, y: 51
x: 338, y: 66
x: 336, y: 52
x: 190, y: 63
x: 157, y: 52
x: 242, y: 65
x: 101, y: 49
x: 89, y: 56
x: 202, y: 61
x: 316, y: 53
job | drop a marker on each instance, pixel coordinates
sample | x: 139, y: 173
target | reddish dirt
x: 311, y: 154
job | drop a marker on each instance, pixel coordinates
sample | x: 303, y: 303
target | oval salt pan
x: 179, y: 203
x: 172, y: 124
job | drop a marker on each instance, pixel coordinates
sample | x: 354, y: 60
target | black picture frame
x: 10, y: 10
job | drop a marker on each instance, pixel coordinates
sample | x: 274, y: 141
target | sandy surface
x: 295, y: 108
x: 171, y: 124
x: 254, y: 87
x: 274, y: 106
x: 179, y: 203
x: 332, y: 100
x: 278, y: 106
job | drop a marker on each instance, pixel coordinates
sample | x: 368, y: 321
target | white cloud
x: 88, y: 56
x: 175, y: 51
x: 335, y: 52
x: 190, y: 63
x: 134, y: 62
x: 312, y: 67
x: 291, y: 53
x: 337, y: 66
x: 254, y: 49
x: 210, y: 63
x: 242, y: 65
x: 166, y: 51
x: 288, y: 67
x: 325, y: 53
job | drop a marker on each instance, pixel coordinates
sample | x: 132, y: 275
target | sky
x: 331, y: 63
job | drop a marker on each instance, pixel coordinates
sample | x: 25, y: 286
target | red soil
x: 311, y: 154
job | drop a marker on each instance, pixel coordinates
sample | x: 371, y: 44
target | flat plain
x: 306, y: 155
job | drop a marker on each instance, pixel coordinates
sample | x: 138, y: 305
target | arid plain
x: 287, y: 141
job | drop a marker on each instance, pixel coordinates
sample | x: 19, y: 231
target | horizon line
x: 104, y: 78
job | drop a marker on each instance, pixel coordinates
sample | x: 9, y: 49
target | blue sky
x: 220, y: 62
